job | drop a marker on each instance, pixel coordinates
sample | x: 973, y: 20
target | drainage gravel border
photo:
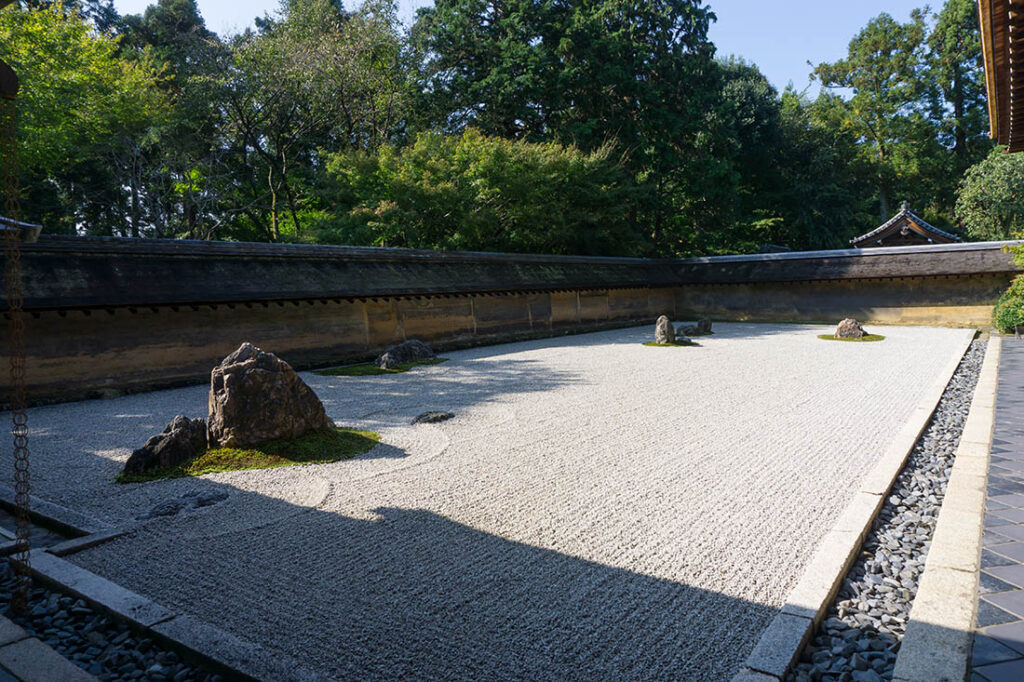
x: 938, y: 641
x: 861, y: 636
x: 786, y: 637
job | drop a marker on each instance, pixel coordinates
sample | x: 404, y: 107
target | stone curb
x: 780, y: 645
x: 78, y: 544
x: 937, y: 644
x: 195, y: 640
x: 55, y: 516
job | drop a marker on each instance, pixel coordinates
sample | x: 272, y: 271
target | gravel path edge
x: 782, y: 642
x: 937, y: 644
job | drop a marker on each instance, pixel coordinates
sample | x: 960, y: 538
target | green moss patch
x: 863, y: 339
x: 318, y: 447
x: 674, y: 344
x: 369, y: 369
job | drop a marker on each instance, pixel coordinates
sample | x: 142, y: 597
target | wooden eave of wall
x: 67, y: 273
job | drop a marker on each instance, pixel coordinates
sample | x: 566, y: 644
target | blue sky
x: 780, y: 37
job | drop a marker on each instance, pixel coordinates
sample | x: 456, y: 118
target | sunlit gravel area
x: 597, y: 509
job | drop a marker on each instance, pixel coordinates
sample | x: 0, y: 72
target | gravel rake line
x: 861, y: 634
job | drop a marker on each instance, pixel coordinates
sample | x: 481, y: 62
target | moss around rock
x: 318, y: 447
x: 867, y: 338
x: 369, y: 369
x: 1008, y: 315
x: 674, y: 344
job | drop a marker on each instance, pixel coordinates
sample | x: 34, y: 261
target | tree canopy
x: 576, y: 126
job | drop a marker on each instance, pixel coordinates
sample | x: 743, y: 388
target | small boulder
x: 664, y: 332
x: 688, y: 330
x: 704, y: 325
x: 182, y: 440
x: 850, y: 329
x: 407, y: 351
x: 257, y: 397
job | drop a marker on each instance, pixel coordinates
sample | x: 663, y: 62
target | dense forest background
x: 603, y: 127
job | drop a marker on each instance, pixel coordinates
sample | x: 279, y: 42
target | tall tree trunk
x: 274, y: 229
x: 959, y: 134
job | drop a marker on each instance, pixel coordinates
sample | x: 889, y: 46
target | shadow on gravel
x: 410, y: 594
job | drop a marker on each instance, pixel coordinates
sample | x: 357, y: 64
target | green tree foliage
x: 958, y: 71
x: 79, y: 99
x: 1008, y: 314
x: 328, y: 121
x: 315, y: 78
x: 990, y: 202
x: 474, y: 192
x: 586, y: 73
x: 887, y: 112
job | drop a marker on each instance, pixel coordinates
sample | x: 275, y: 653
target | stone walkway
x: 999, y: 639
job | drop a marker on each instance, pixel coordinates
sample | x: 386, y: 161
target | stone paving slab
x: 596, y: 508
x: 29, y: 660
x: 998, y: 653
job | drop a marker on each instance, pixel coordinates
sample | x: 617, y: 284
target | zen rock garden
x: 493, y: 517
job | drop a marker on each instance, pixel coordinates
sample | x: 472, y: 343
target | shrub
x: 989, y: 202
x: 480, y: 193
x: 1009, y: 311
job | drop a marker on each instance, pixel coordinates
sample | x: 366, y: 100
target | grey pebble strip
x: 95, y: 643
x: 860, y: 637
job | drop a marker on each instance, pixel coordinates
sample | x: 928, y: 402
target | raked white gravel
x: 597, y: 509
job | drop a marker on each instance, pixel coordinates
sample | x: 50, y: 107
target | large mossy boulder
x: 257, y: 397
x: 183, y: 439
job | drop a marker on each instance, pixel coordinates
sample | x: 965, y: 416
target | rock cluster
x: 182, y: 440
x: 860, y: 638
x: 850, y: 329
x: 664, y: 332
x: 702, y: 328
x: 407, y: 351
x: 94, y: 642
x: 257, y: 397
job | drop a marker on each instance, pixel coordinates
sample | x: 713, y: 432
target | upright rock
x: 182, y: 440
x: 664, y: 332
x: 850, y: 329
x: 704, y: 325
x: 407, y: 351
x: 256, y: 397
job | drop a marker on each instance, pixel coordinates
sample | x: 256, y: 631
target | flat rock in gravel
x: 257, y: 397
x: 432, y: 417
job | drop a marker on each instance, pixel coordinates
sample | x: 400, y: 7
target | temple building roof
x: 904, y: 229
x: 1002, y: 44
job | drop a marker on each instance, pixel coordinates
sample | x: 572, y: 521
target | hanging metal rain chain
x: 16, y: 325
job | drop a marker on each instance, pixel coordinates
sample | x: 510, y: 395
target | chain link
x: 16, y: 339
